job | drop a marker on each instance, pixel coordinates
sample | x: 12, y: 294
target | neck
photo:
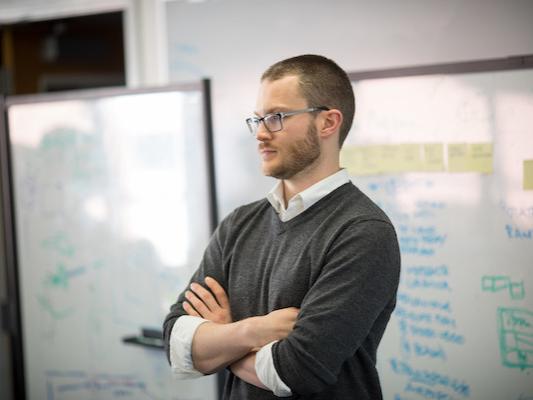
x: 307, y: 178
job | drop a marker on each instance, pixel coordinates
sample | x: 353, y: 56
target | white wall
x: 234, y: 41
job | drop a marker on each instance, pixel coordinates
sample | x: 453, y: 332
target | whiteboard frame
x: 15, y: 328
x: 12, y: 306
x: 489, y: 65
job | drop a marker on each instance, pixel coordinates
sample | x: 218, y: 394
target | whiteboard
x: 112, y: 215
x: 463, y: 326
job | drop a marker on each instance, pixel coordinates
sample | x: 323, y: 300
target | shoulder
x: 249, y: 210
x: 244, y: 213
x: 240, y: 220
x: 358, y: 222
x: 365, y: 233
x: 354, y: 206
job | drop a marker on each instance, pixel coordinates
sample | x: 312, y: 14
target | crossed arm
x: 222, y: 342
x: 349, y: 302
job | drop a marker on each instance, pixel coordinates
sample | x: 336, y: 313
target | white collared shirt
x: 185, y: 327
x: 305, y: 199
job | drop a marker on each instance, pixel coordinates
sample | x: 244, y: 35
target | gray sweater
x: 338, y: 261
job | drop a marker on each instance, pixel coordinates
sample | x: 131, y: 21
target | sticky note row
x: 528, y: 174
x: 418, y: 157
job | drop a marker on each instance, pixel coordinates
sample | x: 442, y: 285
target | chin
x: 268, y: 170
x: 274, y: 171
x: 277, y: 174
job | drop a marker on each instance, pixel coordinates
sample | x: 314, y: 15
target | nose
x: 262, y: 133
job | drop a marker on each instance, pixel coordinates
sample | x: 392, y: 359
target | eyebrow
x: 273, y: 110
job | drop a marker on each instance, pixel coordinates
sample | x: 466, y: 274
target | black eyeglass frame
x: 254, y: 122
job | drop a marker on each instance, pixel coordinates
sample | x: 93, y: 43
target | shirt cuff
x: 267, y: 374
x: 180, y: 346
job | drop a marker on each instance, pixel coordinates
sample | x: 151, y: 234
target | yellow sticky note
x: 395, y: 158
x: 432, y: 157
x: 480, y: 157
x: 470, y: 157
x: 361, y: 160
x: 458, y: 157
x: 348, y: 159
x: 409, y: 157
x: 388, y: 158
x: 528, y: 174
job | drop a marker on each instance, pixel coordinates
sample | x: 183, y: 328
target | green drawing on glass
x: 54, y: 313
x: 515, y: 328
x: 59, y: 139
x: 59, y: 243
x: 498, y: 283
x: 62, y: 276
x: 58, y: 278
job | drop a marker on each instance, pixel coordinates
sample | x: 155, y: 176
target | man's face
x: 296, y: 148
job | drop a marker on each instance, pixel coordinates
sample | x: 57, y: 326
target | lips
x: 267, y: 153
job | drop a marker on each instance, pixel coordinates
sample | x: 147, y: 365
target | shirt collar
x: 275, y: 197
x: 324, y: 187
x: 309, y: 196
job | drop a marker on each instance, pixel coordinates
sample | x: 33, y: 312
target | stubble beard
x: 298, y: 157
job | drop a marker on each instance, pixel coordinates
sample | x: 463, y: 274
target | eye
x: 271, y: 117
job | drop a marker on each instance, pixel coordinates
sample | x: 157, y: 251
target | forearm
x: 216, y: 346
x: 245, y: 370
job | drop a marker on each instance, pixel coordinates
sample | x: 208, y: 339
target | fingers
x: 218, y: 291
x: 213, y: 306
x: 189, y: 310
x: 198, y: 304
x: 205, y: 296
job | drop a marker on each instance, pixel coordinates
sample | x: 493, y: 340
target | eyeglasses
x: 274, y: 122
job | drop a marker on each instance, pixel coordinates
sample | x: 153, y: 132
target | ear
x: 330, y: 123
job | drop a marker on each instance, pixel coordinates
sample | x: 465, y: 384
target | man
x: 294, y: 291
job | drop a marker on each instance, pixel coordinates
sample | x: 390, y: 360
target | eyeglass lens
x: 273, y: 122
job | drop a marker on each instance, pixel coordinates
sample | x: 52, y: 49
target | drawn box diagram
x: 498, y: 283
x: 515, y: 328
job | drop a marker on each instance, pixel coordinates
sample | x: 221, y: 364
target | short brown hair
x: 322, y: 83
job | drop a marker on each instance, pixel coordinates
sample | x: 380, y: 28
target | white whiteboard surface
x: 112, y: 216
x: 463, y: 326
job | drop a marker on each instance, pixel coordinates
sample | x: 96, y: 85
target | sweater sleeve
x: 212, y: 265
x: 358, y: 280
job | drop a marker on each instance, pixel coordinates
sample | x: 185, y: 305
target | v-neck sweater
x: 338, y: 261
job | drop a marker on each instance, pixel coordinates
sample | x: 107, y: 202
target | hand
x: 276, y: 325
x: 201, y: 303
